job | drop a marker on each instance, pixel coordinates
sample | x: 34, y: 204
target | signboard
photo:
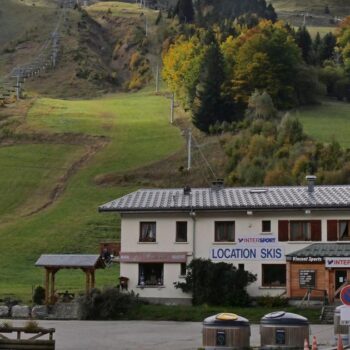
x: 250, y: 248
x: 161, y: 257
x: 337, y: 262
x: 345, y: 295
x: 307, y: 278
x: 257, y: 240
x: 307, y: 259
x: 244, y: 252
x: 280, y: 338
x: 220, y: 338
x: 345, y: 316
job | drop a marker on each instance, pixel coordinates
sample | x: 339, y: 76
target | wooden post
x: 92, y: 279
x: 52, y: 294
x: 87, y: 288
x: 47, y: 285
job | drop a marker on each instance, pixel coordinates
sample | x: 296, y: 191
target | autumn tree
x: 266, y: 59
x: 181, y: 67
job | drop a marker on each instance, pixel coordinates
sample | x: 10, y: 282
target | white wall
x: 245, y: 226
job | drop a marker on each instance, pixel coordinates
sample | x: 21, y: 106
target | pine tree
x: 208, y: 106
x: 327, y: 47
x: 304, y: 41
x: 184, y: 10
x: 316, y: 47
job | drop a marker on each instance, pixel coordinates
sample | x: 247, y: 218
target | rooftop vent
x: 187, y: 190
x: 311, y: 179
x: 218, y: 184
x: 258, y: 190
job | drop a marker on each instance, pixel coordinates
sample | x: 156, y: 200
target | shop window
x: 266, y: 226
x: 183, y: 269
x: 181, y: 231
x: 344, y: 230
x: 299, y: 231
x: 151, y: 274
x: 224, y: 231
x: 273, y: 275
x: 147, y: 231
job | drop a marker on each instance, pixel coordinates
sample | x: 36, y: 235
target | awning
x: 317, y: 252
x: 152, y: 257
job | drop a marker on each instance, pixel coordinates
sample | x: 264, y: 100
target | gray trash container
x: 226, y: 331
x: 343, y: 330
x: 283, y: 330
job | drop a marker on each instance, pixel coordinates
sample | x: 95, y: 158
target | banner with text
x: 337, y: 262
x: 244, y: 252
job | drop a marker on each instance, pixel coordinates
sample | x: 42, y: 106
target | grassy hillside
x: 337, y: 7
x: 329, y: 120
x: 138, y: 133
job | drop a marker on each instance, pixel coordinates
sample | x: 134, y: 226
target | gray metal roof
x: 323, y: 250
x: 285, y: 197
x: 68, y: 260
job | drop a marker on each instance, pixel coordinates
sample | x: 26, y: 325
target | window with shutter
x: 283, y: 230
x: 316, y: 232
x: 332, y: 230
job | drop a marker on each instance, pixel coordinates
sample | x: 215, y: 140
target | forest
x: 241, y: 76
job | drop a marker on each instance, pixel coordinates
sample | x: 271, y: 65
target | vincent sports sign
x: 247, y: 253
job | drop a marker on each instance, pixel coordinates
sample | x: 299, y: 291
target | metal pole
x: 157, y: 78
x: 17, y: 87
x: 189, y: 149
x: 172, y: 109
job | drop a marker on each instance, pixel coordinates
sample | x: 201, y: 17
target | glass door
x: 340, y: 278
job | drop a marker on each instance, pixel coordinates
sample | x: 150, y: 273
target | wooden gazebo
x: 55, y: 262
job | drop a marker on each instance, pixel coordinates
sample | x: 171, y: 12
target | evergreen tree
x: 270, y: 13
x: 184, y: 10
x: 208, y: 106
x: 316, y: 48
x: 304, y: 41
x: 327, y: 47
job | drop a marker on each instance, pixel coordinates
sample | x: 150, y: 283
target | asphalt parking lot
x: 145, y: 335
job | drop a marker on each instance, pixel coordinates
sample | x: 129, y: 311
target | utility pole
x: 172, y: 108
x: 157, y: 78
x: 18, y: 88
x: 146, y: 25
x: 189, y: 149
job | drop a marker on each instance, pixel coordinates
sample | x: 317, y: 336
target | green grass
x: 28, y: 172
x: 337, y: 7
x: 139, y: 133
x: 322, y: 30
x: 199, y: 313
x: 329, y: 120
x: 122, y: 9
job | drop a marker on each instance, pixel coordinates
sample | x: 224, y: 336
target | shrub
x: 108, y: 304
x: 39, y: 295
x: 216, y: 283
x: 31, y: 326
x: 270, y: 301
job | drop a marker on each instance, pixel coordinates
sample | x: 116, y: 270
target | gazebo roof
x: 70, y: 261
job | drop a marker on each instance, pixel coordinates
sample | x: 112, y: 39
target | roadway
x: 145, y: 335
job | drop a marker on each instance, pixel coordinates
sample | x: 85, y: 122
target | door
x: 340, y: 278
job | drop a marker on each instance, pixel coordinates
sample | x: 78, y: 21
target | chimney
x: 311, y: 179
x: 187, y: 190
x: 218, y: 184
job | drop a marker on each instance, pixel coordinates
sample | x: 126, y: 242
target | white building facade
x: 162, y: 230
